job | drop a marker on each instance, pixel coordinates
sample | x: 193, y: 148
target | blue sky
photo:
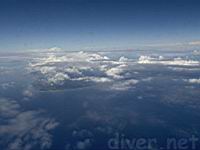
x: 97, y: 24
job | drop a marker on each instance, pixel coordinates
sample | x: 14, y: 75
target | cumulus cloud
x: 23, y: 130
x: 87, y: 68
x: 161, y: 60
x: 58, y: 78
x: 56, y: 69
x: 55, y: 49
x: 116, y: 71
x: 193, y: 81
x: 27, y: 93
x: 124, y: 85
x: 123, y: 59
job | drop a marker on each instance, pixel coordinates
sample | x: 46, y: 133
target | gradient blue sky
x: 93, y: 24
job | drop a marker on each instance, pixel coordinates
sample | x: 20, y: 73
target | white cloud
x: 116, y: 72
x: 78, y: 66
x: 28, y: 93
x: 147, y: 79
x: 124, y: 85
x: 193, y: 81
x: 74, y: 70
x: 94, y: 79
x: 58, y: 78
x: 56, y: 70
x: 8, y: 108
x: 194, y: 43
x: 47, y: 69
x: 184, y: 69
x: 161, y: 60
x: 123, y: 59
x: 24, y: 129
x: 55, y: 49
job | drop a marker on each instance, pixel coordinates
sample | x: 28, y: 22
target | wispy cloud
x: 163, y: 61
x: 194, y: 43
x: 24, y: 130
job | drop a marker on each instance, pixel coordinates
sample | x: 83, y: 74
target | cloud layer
x: 56, y: 69
x: 81, y: 67
x: 24, y: 130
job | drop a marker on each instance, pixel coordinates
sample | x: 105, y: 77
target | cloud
x: 193, y: 81
x: 171, y: 62
x: 57, y: 70
x: 194, y: 43
x: 116, y: 72
x: 83, y: 144
x: 27, y: 93
x: 7, y: 85
x: 184, y: 69
x: 8, y: 108
x: 124, y: 85
x: 123, y: 59
x: 22, y: 129
x: 83, y: 69
x: 53, y: 49
x: 94, y: 79
x: 196, y: 52
x: 73, y: 70
x: 58, y: 78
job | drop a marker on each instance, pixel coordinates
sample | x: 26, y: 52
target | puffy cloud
x: 28, y: 93
x: 58, y: 78
x: 22, y: 129
x: 161, y: 60
x: 73, y: 70
x: 123, y: 59
x: 55, y: 49
x: 56, y: 69
x: 124, y: 85
x: 147, y: 79
x: 83, y: 69
x: 47, y: 69
x: 116, y: 72
x: 193, y: 81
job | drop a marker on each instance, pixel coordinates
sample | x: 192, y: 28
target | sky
x: 98, y: 24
